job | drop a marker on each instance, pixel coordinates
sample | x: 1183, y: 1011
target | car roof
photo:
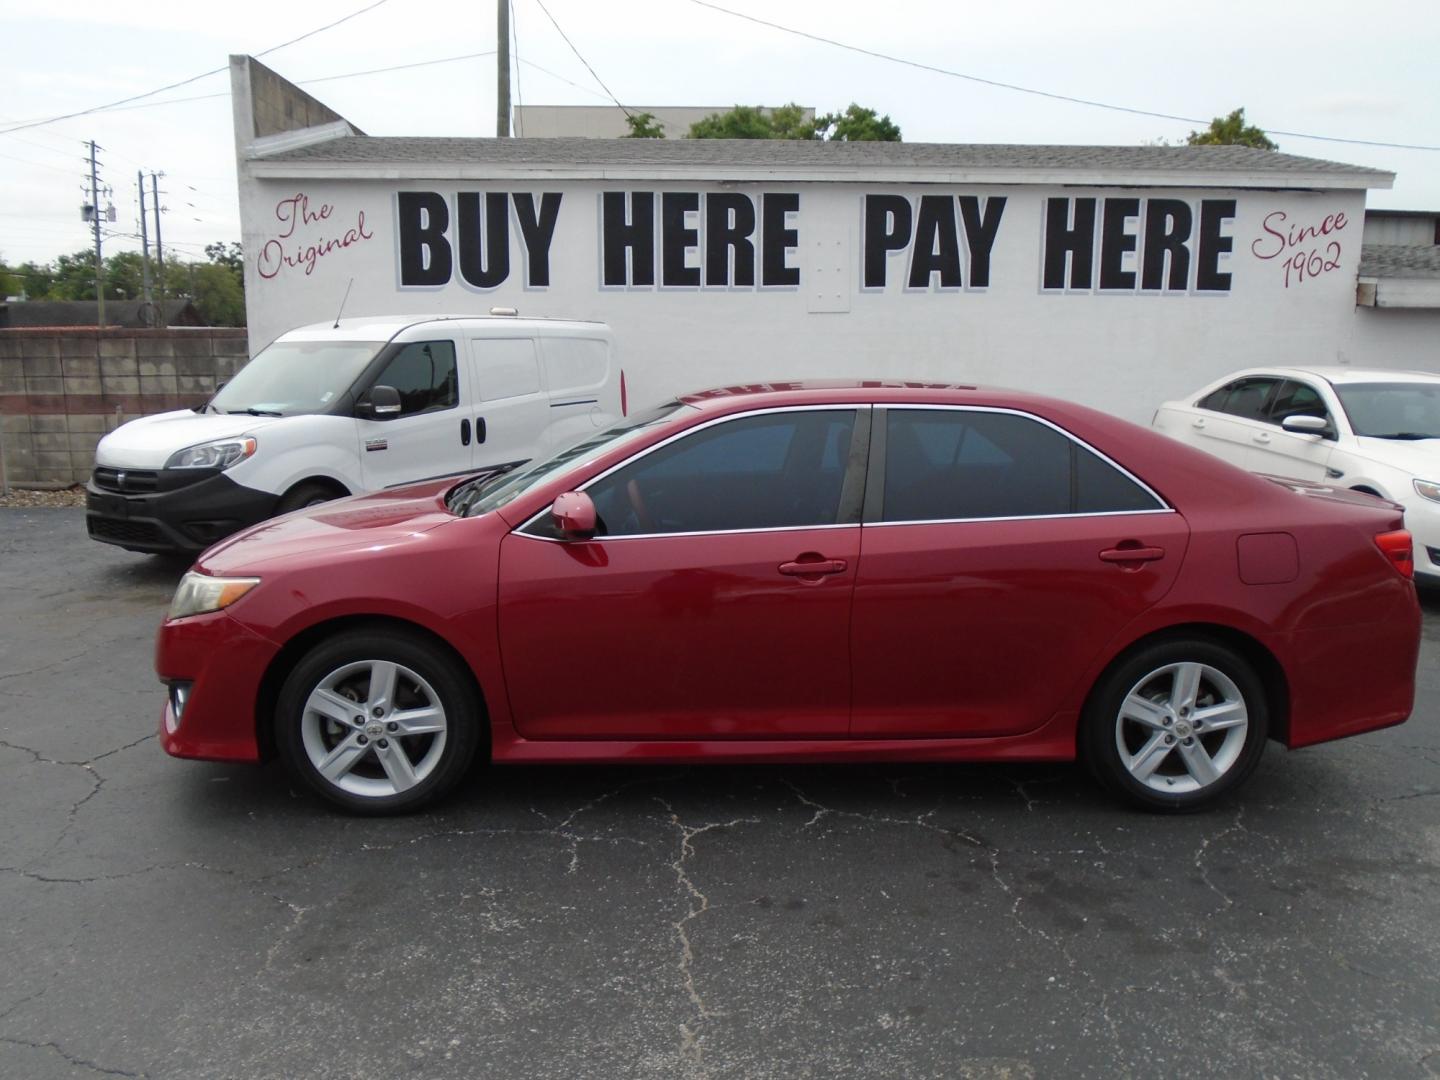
x: 385, y: 327
x: 1337, y: 374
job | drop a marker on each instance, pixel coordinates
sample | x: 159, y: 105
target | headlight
x: 199, y: 593
x: 220, y: 454
x: 1428, y: 490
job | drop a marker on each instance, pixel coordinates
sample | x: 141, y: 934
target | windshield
x: 486, y: 493
x: 293, y: 377
x: 1392, y: 410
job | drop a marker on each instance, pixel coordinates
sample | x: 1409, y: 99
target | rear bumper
x: 1352, y: 679
x: 187, y: 520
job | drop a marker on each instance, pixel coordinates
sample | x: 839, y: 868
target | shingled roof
x: 1399, y: 261
x: 781, y: 159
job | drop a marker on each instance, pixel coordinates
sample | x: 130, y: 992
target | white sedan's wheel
x: 378, y: 721
x: 1176, y: 725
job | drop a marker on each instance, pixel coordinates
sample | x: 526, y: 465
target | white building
x: 1116, y: 276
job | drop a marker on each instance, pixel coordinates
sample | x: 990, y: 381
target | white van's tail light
x: 624, y: 398
x: 1399, y: 549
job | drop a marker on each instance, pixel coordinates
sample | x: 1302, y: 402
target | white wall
x: 1124, y: 352
x: 1395, y: 338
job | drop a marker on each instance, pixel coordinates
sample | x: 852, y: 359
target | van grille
x: 126, y: 481
x: 117, y: 531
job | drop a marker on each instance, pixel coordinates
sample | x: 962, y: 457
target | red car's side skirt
x: 1055, y: 741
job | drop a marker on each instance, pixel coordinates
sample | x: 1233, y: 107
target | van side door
x: 583, y: 386
x: 424, y: 439
x: 509, y: 408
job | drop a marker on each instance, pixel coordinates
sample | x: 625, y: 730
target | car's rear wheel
x: 1176, y: 726
x: 377, y: 722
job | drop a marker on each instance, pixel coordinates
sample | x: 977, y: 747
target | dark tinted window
x: 952, y: 464
x: 758, y: 472
x: 424, y: 374
x: 1215, y: 400
x: 1297, y: 399
x: 1247, y: 398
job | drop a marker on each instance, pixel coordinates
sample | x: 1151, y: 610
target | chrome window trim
x: 1020, y: 517
x: 855, y: 407
x: 1164, y: 506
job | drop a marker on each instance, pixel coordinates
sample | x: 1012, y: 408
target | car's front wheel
x: 1176, y: 725
x: 377, y: 721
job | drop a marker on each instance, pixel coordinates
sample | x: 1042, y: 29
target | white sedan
x: 1365, y: 429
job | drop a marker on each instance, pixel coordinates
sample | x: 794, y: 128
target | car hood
x: 372, y: 522
x: 1419, y: 457
x: 147, y: 443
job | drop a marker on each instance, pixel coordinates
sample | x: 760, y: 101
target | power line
x: 576, y: 51
x: 1022, y: 89
x: 193, y: 78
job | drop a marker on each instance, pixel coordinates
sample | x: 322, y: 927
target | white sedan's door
x: 1292, y: 453
x: 1227, y: 422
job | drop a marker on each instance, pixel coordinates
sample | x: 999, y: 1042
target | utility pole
x: 145, y: 251
x: 159, y: 251
x: 502, y: 68
x: 95, y: 222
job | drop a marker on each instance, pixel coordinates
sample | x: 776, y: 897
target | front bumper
x: 221, y: 665
x: 174, y: 518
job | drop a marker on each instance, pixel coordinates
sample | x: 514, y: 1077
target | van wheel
x: 377, y: 722
x: 307, y: 493
x: 1176, y: 726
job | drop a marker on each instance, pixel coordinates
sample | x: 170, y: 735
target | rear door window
x: 953, y: 464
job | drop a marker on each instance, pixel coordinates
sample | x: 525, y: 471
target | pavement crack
x: 1238, y: 825
x: 78, y: 1062
x: 697, y: 903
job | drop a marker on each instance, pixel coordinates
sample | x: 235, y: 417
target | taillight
x: 1399, y: 549
x: 624, y: 397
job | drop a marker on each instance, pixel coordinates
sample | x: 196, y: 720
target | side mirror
x: 1306, y: 425
x: 381, y: 403
x: 574, y: 515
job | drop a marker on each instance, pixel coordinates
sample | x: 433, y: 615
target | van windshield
x: 293, y: 377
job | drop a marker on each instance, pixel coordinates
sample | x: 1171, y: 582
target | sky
x: 1323, y: 68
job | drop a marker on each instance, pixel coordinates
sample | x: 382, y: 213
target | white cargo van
x: 359, y: 405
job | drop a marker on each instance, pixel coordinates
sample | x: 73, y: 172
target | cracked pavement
x: 176, y: 919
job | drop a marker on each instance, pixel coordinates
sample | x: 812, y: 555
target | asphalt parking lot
x: 176, y: 919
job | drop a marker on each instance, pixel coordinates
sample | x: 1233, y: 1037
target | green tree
x: 35, y: 280
x: 10, y: 283
x: 642, y: 126
x: 232, y: 255
x: 217, y: 293
x: 1231, y: 131
x: 72, y: 277
x: 124, y: 276
x: 857, y: 124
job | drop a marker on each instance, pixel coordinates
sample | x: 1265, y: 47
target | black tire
x: 369, y: 744
x: 1129, y: 753
x: 306, y: 493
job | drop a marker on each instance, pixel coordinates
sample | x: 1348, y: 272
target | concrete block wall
x: 61, y: 389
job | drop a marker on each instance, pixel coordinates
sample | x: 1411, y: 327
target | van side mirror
x: 574, y: 515
x: 381, y: 403
x: 1306, y: 425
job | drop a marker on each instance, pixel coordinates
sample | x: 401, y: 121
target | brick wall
x: 62, y: 389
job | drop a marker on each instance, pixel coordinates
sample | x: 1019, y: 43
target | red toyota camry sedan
x: 805, y: 572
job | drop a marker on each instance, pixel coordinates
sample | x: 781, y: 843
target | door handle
x: 465, y: 432
x: 1261, y: 437
x: 1132, y: 554
x: 1198, y: 423
x: 804, y: 567
x: 479, y: 429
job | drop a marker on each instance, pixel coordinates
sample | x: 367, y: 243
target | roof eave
x: 894, y: 174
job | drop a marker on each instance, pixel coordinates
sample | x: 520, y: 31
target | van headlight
x: 1425, y: 489
x: 220, y: 454
x: 201, y: 593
